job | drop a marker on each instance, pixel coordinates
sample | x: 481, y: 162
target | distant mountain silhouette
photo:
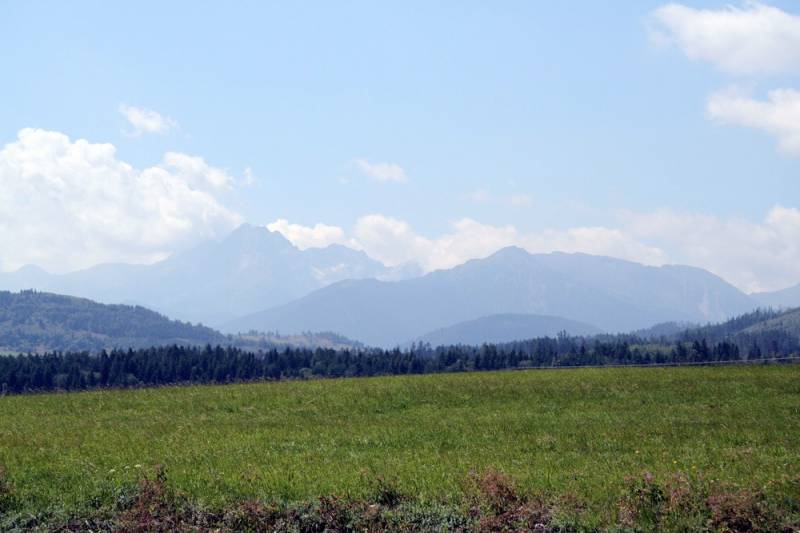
x: 505, y: 328
x: 782, y: 299
x: 251, y: 269
x: 612, y: 294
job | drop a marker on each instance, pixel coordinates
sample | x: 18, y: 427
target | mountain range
x: 610, y: 294
x: 255, y: 279
x: 248, y: 271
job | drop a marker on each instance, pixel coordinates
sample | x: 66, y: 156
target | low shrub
x: 491, y: 503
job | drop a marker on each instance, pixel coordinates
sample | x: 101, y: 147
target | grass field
x: 566, y: 431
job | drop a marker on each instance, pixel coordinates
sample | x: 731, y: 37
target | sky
x: 432, y: 132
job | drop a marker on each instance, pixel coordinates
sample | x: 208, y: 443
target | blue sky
x: 531, y: 119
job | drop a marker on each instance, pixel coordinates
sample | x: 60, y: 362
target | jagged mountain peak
x: 218, y: 280
x: 248, y: 235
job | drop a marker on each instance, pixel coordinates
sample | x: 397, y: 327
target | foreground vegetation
x: 589, y: 447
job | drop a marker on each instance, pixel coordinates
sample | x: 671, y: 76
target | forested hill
x: 757, y: 337
x: 33, y: 321
x: 768, y: 329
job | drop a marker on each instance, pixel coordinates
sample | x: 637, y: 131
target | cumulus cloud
x: 71, y: 204
x: 146, y: 120
x: 390, y: 240
x: 754, y: 256
x: 393, y: 241
x: 317, y: 236
x: 196, y: 171
x: 778, y: 115
x: 382, y: 172
x: 752, y: 39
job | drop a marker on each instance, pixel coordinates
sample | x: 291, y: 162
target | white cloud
x: 196, y: 171
x: 317, y: 236
x: 394, y: 242
x: 146, y: 120
x: 779, y: 115
x: 70, y: 204
x: 382, y: 172
x: 752, y: 39
x: 389, y: 240
x: 598, y: 240
x: 752, y: 255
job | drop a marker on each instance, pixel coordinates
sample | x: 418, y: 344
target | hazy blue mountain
x: 249, y: 270
x: 505, y: 328
x: 782, y: 299
x: 612, y: 294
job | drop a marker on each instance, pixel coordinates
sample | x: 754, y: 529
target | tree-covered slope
x: 39, y: 321
x: 788, y: 322
x: 763, y: 331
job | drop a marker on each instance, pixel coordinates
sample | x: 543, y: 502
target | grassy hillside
x: 569, y: 432
x: 38, y: 321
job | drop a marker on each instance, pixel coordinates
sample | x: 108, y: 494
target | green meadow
x: 579, y: 431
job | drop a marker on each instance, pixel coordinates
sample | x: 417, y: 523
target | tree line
x: 164, y: 365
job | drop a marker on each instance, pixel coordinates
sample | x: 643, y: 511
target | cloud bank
x: 68, y: 204
x: 752, y: 255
